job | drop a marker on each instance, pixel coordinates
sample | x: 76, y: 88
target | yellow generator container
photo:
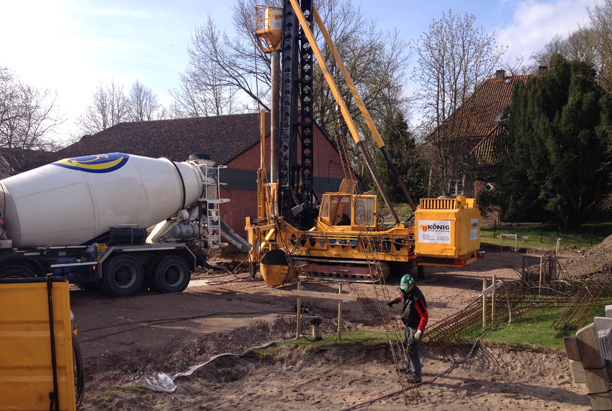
x: 26, y: 371
x: 447, y: 229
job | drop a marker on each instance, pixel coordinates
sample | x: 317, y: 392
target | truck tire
x: 172, y: 275
x: 122, y: 276
x: 150, y: 272
x: 16, y: 271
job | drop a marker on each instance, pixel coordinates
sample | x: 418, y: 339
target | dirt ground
x: 124, y: 340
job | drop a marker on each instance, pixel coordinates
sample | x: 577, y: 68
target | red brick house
x: 231, y: 140
x: 475, y: 125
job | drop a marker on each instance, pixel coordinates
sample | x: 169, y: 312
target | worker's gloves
x: 394, y: 301
x: 418, y: 336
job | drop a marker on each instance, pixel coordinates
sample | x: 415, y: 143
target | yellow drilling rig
x: 297, y: 227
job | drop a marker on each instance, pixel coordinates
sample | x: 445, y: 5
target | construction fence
x: 577, y: 299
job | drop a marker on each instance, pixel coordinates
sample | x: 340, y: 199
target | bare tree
x: 516, y: 67
x: 28, y: 116
x: 110, y: 106
x: 601, y: 39
x: 224, y: 70
x: 558, y: 45
x: 454, y: 58
x: 220, y: 69
x: 143, y: 105
x: 591, y: 43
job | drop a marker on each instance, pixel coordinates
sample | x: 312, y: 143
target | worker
x: 414, y: 317
x: 343, y: 219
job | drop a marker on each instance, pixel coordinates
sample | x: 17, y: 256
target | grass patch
x: 542, y: 236
x: 364, y: 337
x: 265, y: 356
x: 530, y: 329
x: 533, y: 328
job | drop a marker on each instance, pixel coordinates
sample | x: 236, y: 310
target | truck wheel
x: 150, y: 269
x: 122, y: 276
x: 16, y: 271
x: 172, y: 275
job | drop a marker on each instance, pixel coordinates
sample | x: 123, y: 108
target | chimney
x: 500, y: 74
x: 542, y: 70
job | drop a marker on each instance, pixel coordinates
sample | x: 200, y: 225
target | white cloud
x: 74, y: 45
x: 535, y: 23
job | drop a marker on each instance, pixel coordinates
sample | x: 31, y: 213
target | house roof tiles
x: 223, y: 138
x: 479, y: 115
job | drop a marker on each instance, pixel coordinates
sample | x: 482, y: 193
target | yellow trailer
x: 36, y: 359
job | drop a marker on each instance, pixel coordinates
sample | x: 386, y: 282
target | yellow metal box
x: 447, y: 227
x: 26, y: 372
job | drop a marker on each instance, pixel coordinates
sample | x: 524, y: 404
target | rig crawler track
x: 347, y: 270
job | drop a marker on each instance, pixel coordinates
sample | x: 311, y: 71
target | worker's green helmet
x: 406, y: 282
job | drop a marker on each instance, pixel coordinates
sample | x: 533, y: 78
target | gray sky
x: 72, y: 46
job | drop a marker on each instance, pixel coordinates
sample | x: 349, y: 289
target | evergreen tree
x: 558, y: 163
x: 408, y: 158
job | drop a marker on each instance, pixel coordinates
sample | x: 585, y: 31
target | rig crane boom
x: 444, y: 232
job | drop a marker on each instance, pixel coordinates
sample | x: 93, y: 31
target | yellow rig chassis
x: 445, y: 232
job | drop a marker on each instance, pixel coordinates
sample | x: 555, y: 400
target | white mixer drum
x: 76, y: 201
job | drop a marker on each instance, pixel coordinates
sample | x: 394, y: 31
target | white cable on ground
x: 162, y: 382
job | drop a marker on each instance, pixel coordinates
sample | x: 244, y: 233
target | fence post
x: 541, y: 230
x: 484, y: 304
x: 299, y: 311
x: 494, y: 227
x: 591, y: 235
x: 515, y: 243
x: 339, y: 311
x: 493, y: 302
x: 557, y: 250
x: 501, y: 242
x: 541, y: 267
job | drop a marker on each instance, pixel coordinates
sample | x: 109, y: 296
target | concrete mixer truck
x: 116, y: 220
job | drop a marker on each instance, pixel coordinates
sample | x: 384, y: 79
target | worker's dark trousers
x: 412, y: 351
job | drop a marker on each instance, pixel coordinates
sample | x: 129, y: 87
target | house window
x: 456, y: 188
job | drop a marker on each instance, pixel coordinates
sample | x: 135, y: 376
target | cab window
x: 365, y: 211
x: 333, y: 208
x: 324, y: 209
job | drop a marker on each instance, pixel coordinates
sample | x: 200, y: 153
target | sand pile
x: 596, y: 260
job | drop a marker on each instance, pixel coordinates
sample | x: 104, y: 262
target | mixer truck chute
x: 117, y: 220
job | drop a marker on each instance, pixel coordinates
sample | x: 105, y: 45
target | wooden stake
x: 541, y: 266
x: 329, y: 296
x: 484, y: 304
x: 493, y: 303
x: 557, y: 250
x: 339, y: 312
x: 501, y: 242
x: 299, y: 311
x: 515, y: 242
